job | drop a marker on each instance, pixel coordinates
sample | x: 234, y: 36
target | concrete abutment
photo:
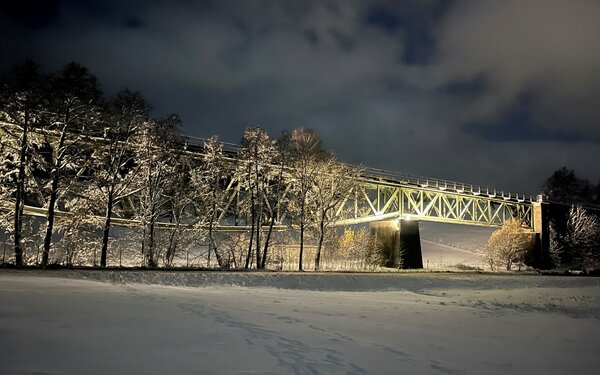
x: 400, y: 243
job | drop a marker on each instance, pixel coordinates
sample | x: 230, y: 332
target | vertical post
x: 410, y: 244
x: 541, y: 227
x: 401, y: 243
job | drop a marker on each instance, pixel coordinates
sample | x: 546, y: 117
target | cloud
x: 494, y: 93
x: 545, y: 49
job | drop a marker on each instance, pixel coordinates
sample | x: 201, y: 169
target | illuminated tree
x: 332, y: 186
x: 156, y: 156
x: 275, y: 192
x: 508, y: 245
x: 258, y: 154
x: 357, y: 246
x: 579, y: 245
x: 22, y: 102
x: 306, y: 157
x: 73, y: 112
x: 181, y: 199
x: 209, y: 191
x: 116, y: 168
x: 7, y: 178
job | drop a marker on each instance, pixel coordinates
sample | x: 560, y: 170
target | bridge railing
x: 230, y: 148
x: 402, y: 178
x: 441, y: 184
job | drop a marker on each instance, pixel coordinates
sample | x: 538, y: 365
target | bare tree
x: 334, y: 183
x: 209, y: 191
x: 115, y: 158
x: 79, y: 240
x: 7, y: 178
x: 73, y: 111
x: 275, y: 188
x: 181, y: 198
x: 21, y: 104
x: 258, y: 153
x: 508, y: 245
x: 356, y: 249
x: 156, y: 156
x: 579, y: 245
x: 306, y: 156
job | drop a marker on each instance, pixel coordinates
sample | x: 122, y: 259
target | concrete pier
x: 400, y: 243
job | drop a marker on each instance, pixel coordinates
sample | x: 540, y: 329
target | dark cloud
x: 494, y: 93
x: 31, y: 14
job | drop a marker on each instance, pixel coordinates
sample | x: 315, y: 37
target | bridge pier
x: 400, y: 243
x: 410, y: 244
x: 541, y: 227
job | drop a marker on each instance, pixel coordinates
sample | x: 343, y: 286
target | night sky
x: 497, y: 93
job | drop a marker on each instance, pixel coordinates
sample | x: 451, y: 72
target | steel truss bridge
x: 383, y: 196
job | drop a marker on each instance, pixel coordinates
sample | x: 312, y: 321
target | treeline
x: 575, y: 223
x: 91, y: 161
x: 566, y: 187
x: 574, y: 229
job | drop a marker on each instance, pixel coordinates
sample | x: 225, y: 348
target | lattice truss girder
x: 234, y: 209
x: 374, y: 202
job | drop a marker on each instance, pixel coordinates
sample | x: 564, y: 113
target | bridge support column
x: 541, y: 227
x: 410, y: 244
x: 400, y: 243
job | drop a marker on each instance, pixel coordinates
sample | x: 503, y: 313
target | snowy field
x: 234, y: 323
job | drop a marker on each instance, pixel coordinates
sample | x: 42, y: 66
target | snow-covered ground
x: 407, y: 323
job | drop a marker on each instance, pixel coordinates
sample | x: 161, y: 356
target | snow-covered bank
x: 429, y: 323
x: 325, y: 281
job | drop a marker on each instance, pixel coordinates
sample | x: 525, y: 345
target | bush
x: 508, y: 245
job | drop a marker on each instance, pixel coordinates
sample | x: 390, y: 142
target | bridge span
x: 385, y: 195
x: 394, y: 203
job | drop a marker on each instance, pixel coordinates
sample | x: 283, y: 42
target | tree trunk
x: 172, y: 239
x: 301, y: 235
x: 55, y: 174
x: 211, y: 240
x: 274, y: 212
x: 249, y: 254
x: 320, y: 243
x: 172, y: 245
x: 150, y: 261
x: 258, y: 224
x: 50, y: 224
x: 265, y: 252
x: 109, y: 208
x: 20, y: 195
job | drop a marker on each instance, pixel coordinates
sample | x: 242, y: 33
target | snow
x: 57, y: 322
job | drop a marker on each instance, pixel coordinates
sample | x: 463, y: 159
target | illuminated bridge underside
x: 376, y: 201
